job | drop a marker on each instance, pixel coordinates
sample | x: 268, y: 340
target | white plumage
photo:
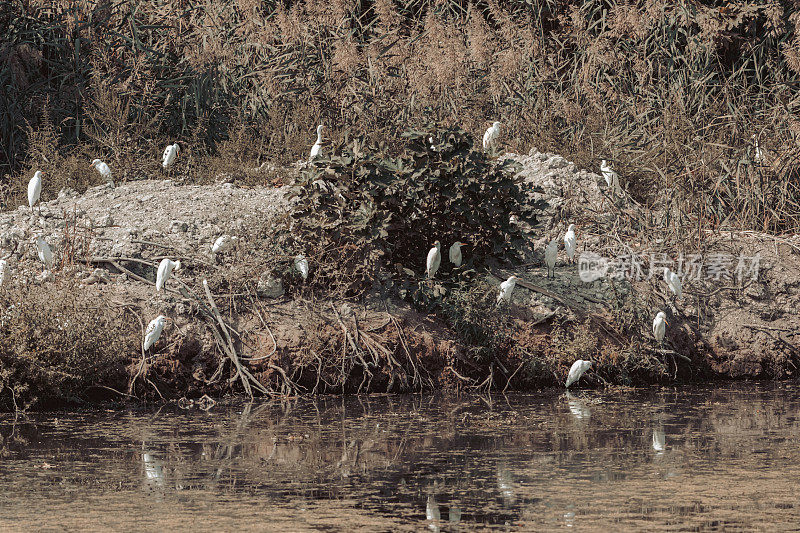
x: 301, y: 264
x: 455, y: 253
x: 758, y: 154
x: 550, y: 255
x: 3, y: 271
x: 569, y: 242
x: 35, y: 189
x: 507, y: 289
x: 170, y: 155
x: 317, y: 145
x: 223, y: 244
x: 491, y: 136
x: 434, y: 259
x: 611, y: 177
x: 103, y: 169
x: 45, y: 253
x: 164, y: 272
x: 673, y: 282
x: 576, y: 371
x: 153, y: 331
x: 660, y: 326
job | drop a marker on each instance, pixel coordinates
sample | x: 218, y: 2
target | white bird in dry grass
x: 569, y: 242
x: 104, y: 171
x: 491, y: 136
x: 611, y: 177
x: 507, y: 289
x: 165, y: 268
x: 45, y: 253
x: 660, y: 326
x: 170, y: 155
x: 758, y: 154
x: 153, y: 331
x: 659, y: 440
x: 550, y: 255
x: 673, y: 282
x: 223, y: 244
x: 3, y: 271
x: 301, y: 264
x: 35, y: 189
x: 434, y: 259
x: 317, y: 145
x: 455, y: 253
x: 576, y: 371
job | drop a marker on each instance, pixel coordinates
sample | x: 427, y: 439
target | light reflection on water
x: 658, y: 459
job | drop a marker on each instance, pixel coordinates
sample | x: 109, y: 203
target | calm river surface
x: 689, y: 459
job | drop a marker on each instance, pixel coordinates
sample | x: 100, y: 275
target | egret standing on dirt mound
x: 569, y: 243
x: 45, y: 253
x: 164, y: 272
x: 170, y: 155
x: 301, y: 264
x: 491, y: 136
x: 3, y: 271
x: 507, y: 289
x: 660, y: 326
x: 434, y: 259
x: 153, y: 331
x: 550, y: 255
x: 223, y: 244
x: 673, y: 282
x: 611, y: 177
x: 576, y: 371
x: 317, y: 145
x: 35, y: 190
x: 104, y: 171
x: 455, y: 253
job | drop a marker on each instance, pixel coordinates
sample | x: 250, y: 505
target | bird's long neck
x: 319, y: 137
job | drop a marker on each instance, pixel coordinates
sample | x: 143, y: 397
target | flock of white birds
x: 433, y: 261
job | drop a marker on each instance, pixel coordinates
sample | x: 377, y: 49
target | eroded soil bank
x: 74, y: 332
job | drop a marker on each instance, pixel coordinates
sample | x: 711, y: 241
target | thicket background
x: 671, y: 91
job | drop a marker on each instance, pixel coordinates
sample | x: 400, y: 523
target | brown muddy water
x: 689, y: 459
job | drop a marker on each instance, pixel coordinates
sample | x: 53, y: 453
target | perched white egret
x: 45, y: 253
x: 673, y: 282
x: 223, y: 244
x: 507, y: 289
x: 432, y: 513
x: 434, y: 259
x: 153, y: 331
x: 758, y: 154
x: 170, y: 155
x: 301, y: 264
x: 576, y: 371
x: 3, y: 271
x: 550, y: 255
x: 35, y: 189
x: 317, y: 145
x: 491, y: 136
x: 611, y: 177
x: 659, y: 440
x: 455, y: 253
x: 165, y: 268
x: 660, y: 326
x: 104, y: 171
x: 569, y: 242
x: 432, y: 143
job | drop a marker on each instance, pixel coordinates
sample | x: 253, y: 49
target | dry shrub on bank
x: 57, y: 343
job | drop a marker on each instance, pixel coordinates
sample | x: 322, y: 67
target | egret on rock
x: 491, y: 136
x: 569, y: 243
x: 153, y: 331
x: 507, y: 289
x: 104, y: 171
x: 170, y: 155
x: 611, y: 177
x: 455, y: 253
x: 164, y: 272
x: 44, y: 251
x: 550, y: 255
x: 3, y: 271
x: 576, y: 371
x: 223, y: 244
x: 35, y: 190
x: 434, y: 259
x: 317, y: 145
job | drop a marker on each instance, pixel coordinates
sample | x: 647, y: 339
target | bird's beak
x: 91, y: 165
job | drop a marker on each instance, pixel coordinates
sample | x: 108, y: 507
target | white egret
x: 165, y: 268
x: 3, y: 271
x: 317, y: 145
x: 659, y: 441
x: 45, y: 253
x: 569, y: 242
x: 758, y: 154
x: 576, y: 371
x: 507, y: 289
x: 491, y: 136
x: 223, y: 244
x: 432, y: 513
x: 455, y: 253
x: 611, y: 177
x: 104, y: 171
x: 35, y: 190
x: 301, y: 264
x: 434, y: 259
x: 550, y: 255
x: 170, y: 155
x: 673, y: 282
x: 660, y: 326
x: 153, y: 331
